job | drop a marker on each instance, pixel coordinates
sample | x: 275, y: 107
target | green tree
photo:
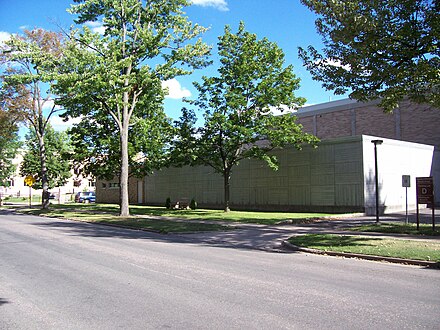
x: 385, y: 50
x: 8, y: 150
x: 57, y: 163
x: 238, y: 106
x: 96, y: 149
x: 30, y: 61
x: 13, y: 99
x: 118, y: 74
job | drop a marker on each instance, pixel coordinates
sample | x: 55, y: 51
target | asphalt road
x: 57, y: 274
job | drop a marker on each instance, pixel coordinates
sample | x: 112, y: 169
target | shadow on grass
x: 266, y: 218
x: 398, y: 228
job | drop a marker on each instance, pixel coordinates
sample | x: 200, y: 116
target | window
x: 113, y: 185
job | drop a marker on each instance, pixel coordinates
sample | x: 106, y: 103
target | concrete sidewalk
x: 271, y: 238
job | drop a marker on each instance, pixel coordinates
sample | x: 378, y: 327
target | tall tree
x: 373, y: 49
x: 96, y: 149
x: 118, y: 74
x: 30, y: 62
x: 13, y: 100
x: 8, y: 150
x: 238, y: 105
x: 57, y: 163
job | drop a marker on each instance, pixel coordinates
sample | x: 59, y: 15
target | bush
x: 193, y: 204
x: 168, y: 203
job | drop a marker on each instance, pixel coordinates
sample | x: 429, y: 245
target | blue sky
x: 286, y: 22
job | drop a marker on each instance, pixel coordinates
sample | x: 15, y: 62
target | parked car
x: 85, y: 197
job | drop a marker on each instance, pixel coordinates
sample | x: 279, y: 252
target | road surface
x: 58, y: 274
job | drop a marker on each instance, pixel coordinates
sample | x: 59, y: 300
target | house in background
x: 17, y: 187
x: 338, y: 176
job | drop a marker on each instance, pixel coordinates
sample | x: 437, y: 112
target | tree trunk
x: 124, y: 208
x: 226, y: 177
x: 45, y: 194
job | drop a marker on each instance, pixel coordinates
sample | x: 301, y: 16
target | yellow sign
x: 29, y: 180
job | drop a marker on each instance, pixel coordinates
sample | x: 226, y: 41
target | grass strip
x: 396, y: 248
x: 398, y: 228
x: 265, y: 218
x: 136, y: 222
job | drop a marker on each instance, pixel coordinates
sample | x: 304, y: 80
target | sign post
x: 406, y: 182
x: 425, y: 195
x: 29, y: 181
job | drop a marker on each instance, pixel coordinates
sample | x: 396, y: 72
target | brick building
x: 409, y: 122
x: 337, y: 176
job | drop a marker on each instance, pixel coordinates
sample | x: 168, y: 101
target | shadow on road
x: 260, y: 238
x: 3, y: 301
x: 257, y: 237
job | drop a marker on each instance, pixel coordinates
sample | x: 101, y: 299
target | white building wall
x: 395, y: 158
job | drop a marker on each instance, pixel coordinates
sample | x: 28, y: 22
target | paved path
x: 269, y: 238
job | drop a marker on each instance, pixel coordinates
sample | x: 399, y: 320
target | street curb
x: 429, y: 264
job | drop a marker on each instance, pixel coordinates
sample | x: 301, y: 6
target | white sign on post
x: 406, y: 181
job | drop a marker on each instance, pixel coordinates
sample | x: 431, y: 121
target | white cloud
x: 96, y: 27
x: 59, y: 125
x: 335, y: 63
x: 280, y: 110
x: 48, y: 105
x: 175, y: 90
x: 4, y: 36
x: 218, y: 4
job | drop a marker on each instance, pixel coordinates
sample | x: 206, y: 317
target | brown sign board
x: 425, y: 190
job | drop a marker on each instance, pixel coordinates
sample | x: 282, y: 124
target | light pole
x: 376, y: 143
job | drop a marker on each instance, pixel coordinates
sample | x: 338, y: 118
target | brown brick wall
x: 107, y: 194
x: 420, y: 124
x: 371, y: 120
x: 307, y: 123
x: 410, y: 122
x: 334, y: 124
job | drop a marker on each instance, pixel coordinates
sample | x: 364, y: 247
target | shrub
x: 193, y: 204
x: 168, y: 203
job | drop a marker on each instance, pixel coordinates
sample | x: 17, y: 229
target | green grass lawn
x: 93, y: 213
x: 171, y: 220
x: 35, y: 199
x: 397, y: 248
x: 266, y: 218
x: 399, y: 228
